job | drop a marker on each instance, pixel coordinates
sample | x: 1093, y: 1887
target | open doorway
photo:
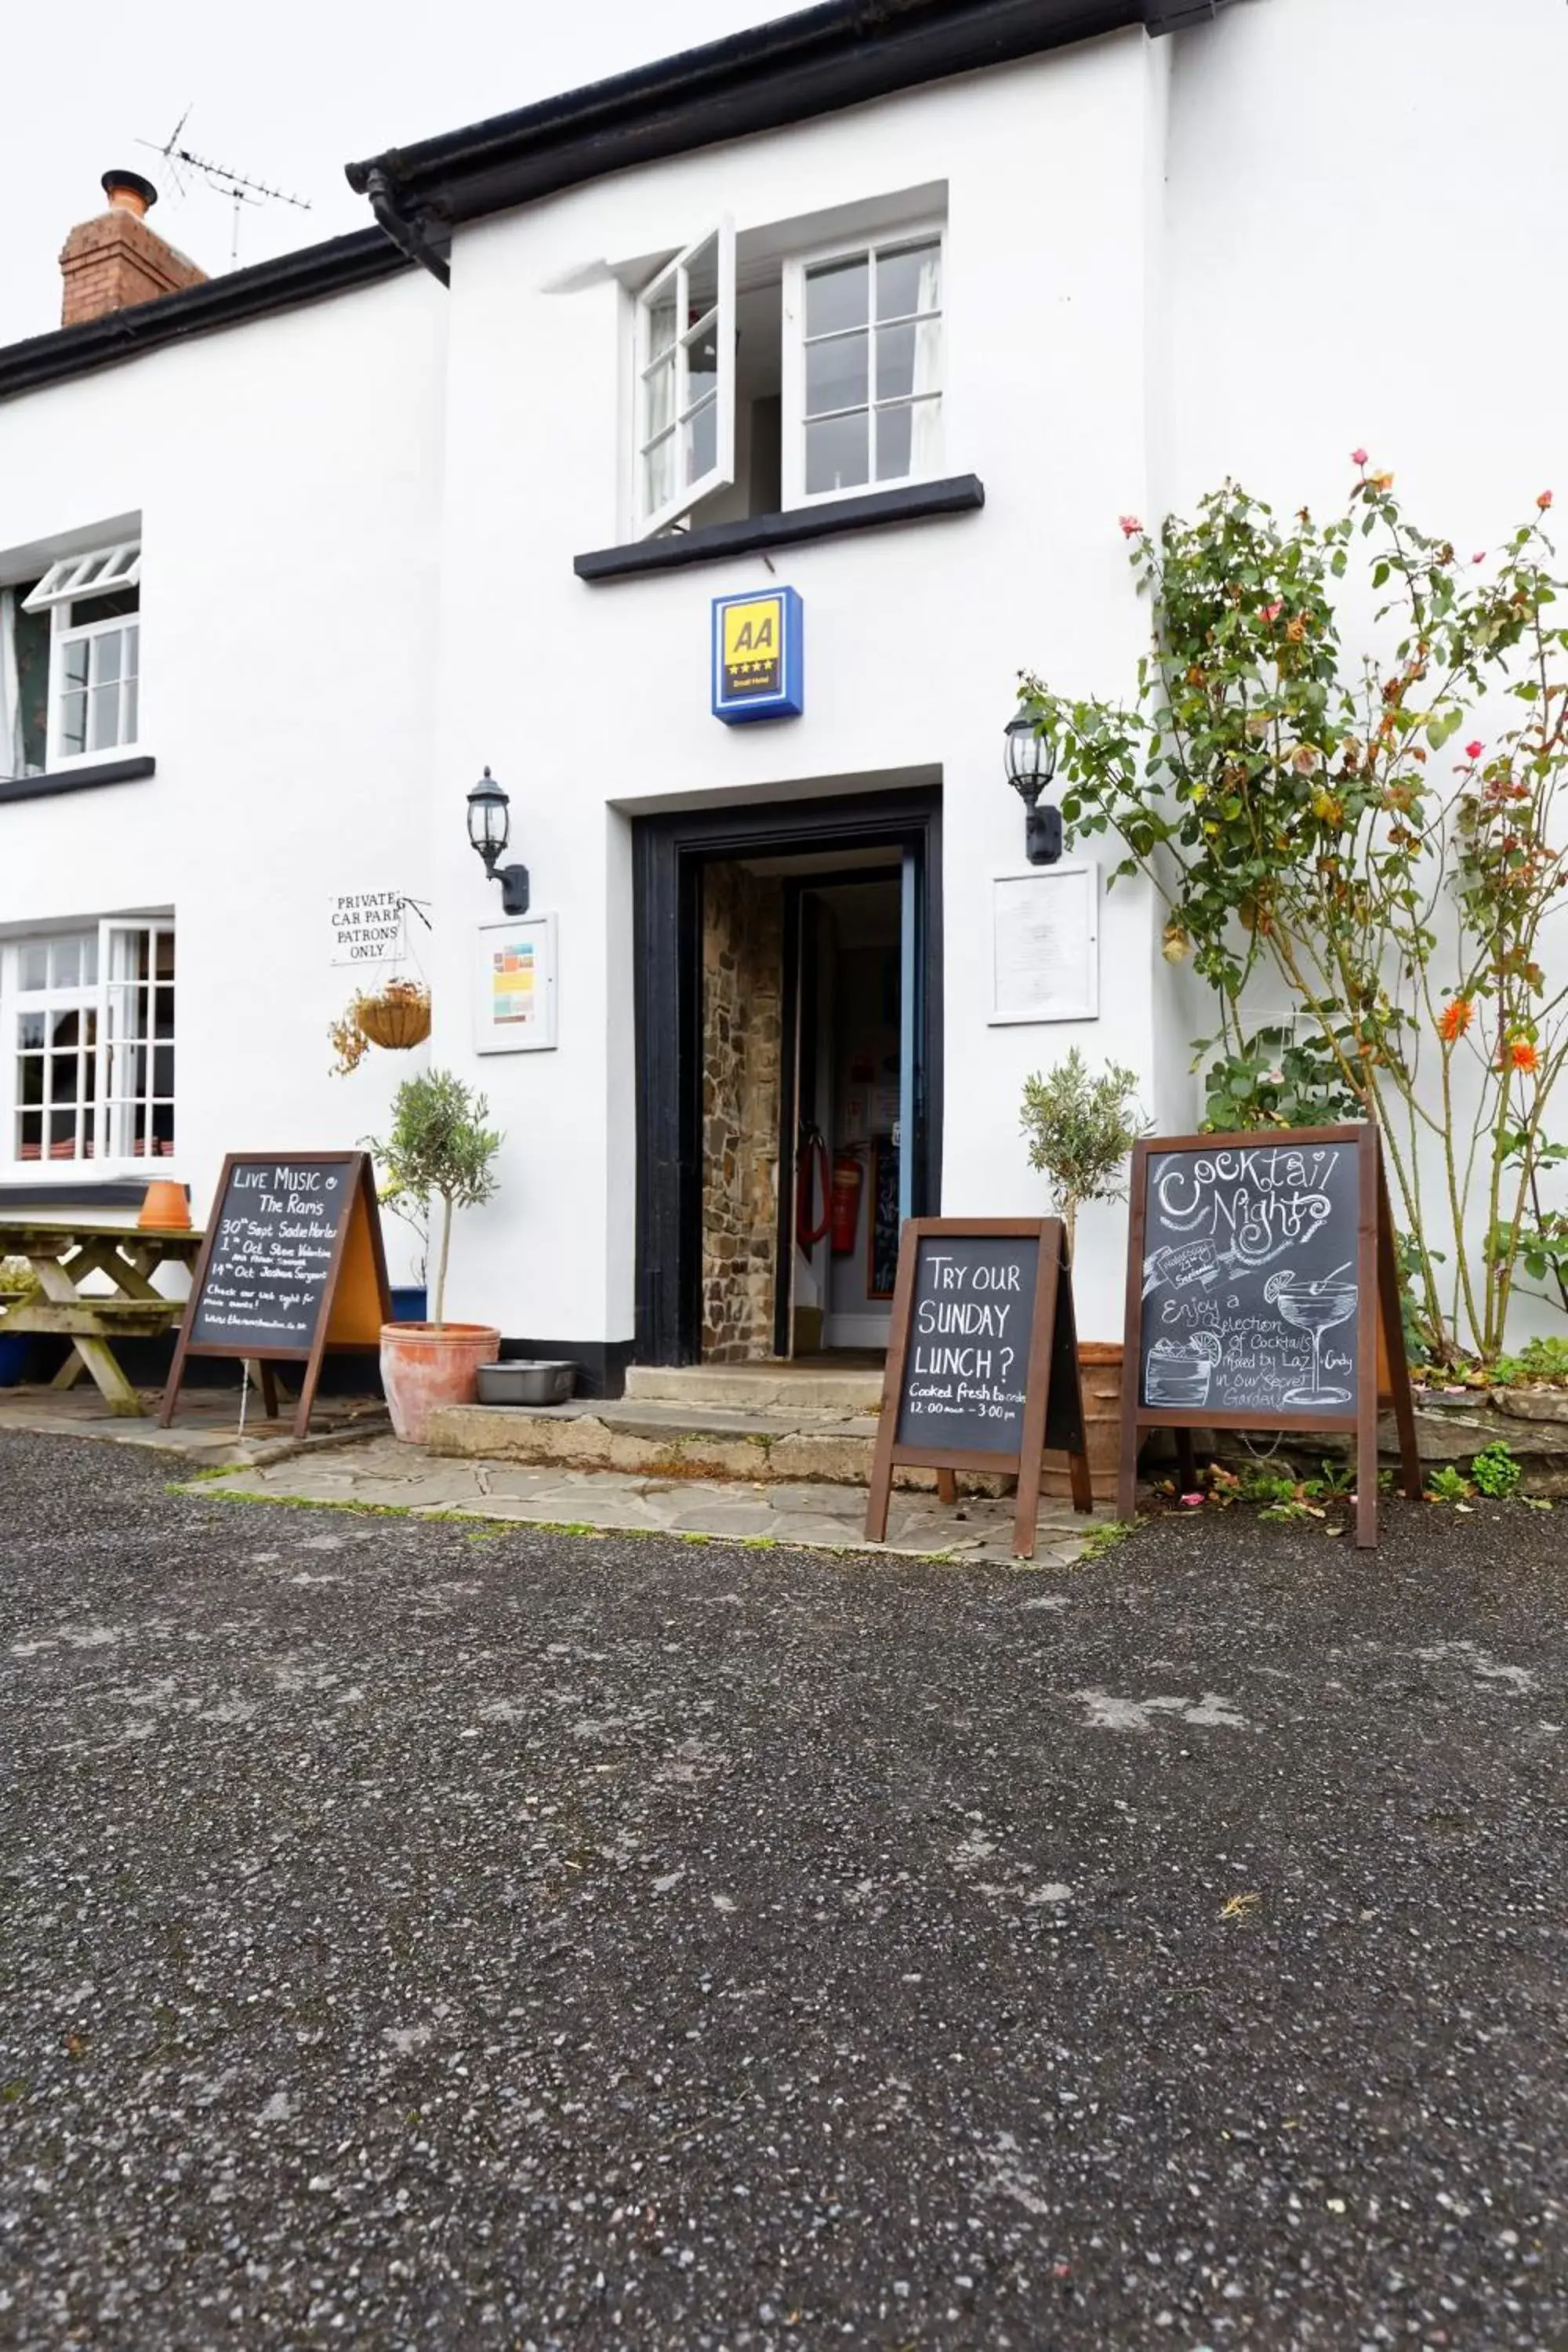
x: 788, y: 1064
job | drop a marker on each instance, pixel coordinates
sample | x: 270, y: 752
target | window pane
x: 837, y: 294
x: 128, y: 711
x: 658, y: 475
x: 905, y: 440
x: 62, y: 1134
x: 163, y: 1071
x: 659, y: 399
x: 105, y: 608
x: 106, y: 658
x: 702, y: 364
x: 701, y: 282
x: 65, y: 1028
x: 89, y: 959
x: 30, y: 1078
x: 835, y: 373
x: 73, y: 722
x: 34, y: 966
x: 29, y: 1033
x: 68, y: 962
x: 131, y: 639
x: 835, y: 456
x: 701, y: 438
x: 908, y: 281
x: 103, y: 717
x: 74, y: 658
x: 30, y: 1135
x: 895, y: 363
x: 164, y: 955
x: 661, y: 320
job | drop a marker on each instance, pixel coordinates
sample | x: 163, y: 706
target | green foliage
x: 1081, y: 1131
x: 1495, y: 1471
x: 1447, y: 1484
x: 1542, y: 1359
x: 1272, y: 1079
x: 1308, y: 824
x: 439, y: 1148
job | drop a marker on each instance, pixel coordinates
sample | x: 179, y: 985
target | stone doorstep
x: 782, y: 1386
x: 641, y: 1439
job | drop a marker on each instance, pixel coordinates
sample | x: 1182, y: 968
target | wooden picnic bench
x: 65, y: 1255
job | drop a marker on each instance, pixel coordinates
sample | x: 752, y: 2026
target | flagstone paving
x: 380, y: 1473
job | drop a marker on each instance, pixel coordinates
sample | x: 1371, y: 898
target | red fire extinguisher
x: 848, y: 1178
x: 810, y: 1173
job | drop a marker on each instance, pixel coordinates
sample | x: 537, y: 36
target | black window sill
x: 96, y: 1192
x: 78, y: 780
x: 760, y: 534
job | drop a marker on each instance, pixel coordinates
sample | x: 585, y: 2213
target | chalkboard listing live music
x: 272, y: 1252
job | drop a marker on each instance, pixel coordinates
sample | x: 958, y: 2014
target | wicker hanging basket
x: 399, y: 1017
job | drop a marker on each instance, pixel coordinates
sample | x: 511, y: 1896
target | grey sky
x: 284, y: 94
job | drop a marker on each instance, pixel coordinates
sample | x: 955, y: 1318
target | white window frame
x: 97, y: 571
x: 722, y: 474
x: 107, y: 1113
x: 793, y: 416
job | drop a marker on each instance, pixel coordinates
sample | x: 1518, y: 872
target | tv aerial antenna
x: 239, y: 190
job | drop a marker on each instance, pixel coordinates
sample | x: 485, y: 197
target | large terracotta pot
x: 424, y: 1365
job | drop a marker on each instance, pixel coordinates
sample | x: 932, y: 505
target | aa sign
x: 758, y: 657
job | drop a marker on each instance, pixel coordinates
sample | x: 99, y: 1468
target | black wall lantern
x: 1031, y: 764
x: 489, y: 830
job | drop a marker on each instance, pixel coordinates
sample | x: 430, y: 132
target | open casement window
x: 863, y: 367
x: 93, y: 601
x: 88, y: 1075
x: 686, y: 382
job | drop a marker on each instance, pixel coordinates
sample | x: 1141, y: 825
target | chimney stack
x: 114, y: 260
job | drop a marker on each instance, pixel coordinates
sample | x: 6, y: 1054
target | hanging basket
x: 399, y: 1017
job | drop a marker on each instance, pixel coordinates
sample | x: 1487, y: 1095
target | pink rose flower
x: 1272, y: 612
x: 1480, y: 558
x: 1190, y: 1502
x: 1131, y: 526
x: 1544, y: 500
x: 1473, y: 750
x: 1358, y: 456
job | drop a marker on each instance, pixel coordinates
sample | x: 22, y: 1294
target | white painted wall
x: 287, y: 473
x: 589, y: 702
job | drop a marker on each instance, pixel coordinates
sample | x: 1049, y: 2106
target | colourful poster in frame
x: 515, y: 985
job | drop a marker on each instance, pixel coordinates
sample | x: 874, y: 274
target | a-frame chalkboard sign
x: 982, y: 1363
x: 291, y: 1265
x: 1263, y: 1294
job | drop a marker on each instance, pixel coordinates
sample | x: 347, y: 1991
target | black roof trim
x: 336, y: 267
x: 838, y: 54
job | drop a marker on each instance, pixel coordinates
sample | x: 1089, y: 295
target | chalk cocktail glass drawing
x: 1177, y: 1374
x: 1314, y: 1308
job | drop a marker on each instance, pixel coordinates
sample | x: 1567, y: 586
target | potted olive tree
x: 438, y: 1156
x: 1081, y: 1133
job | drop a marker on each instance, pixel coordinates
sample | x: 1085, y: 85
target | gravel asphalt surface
x: 412, y: 1936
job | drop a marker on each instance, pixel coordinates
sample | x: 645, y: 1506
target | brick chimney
x: 116, y: 260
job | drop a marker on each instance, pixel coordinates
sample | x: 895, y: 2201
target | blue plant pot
x: 14, y: 1347
x: 409, y: 1303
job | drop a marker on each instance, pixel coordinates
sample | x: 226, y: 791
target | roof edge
x: 335, y: 267
x: 837, y: 55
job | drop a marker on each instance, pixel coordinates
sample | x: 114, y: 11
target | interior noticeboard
x: 1262, y: 1294
x: 292, y: 1263
x: 982, y: 1363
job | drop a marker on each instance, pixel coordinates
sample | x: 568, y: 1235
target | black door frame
x: 668, y: 854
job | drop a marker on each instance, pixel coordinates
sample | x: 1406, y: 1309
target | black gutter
x: 840, y: 53
x: 336, y: 267
x: 407, y: 234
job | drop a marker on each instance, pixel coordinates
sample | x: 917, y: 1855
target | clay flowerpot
x: 426, y: 1365
x: 165, y: 1207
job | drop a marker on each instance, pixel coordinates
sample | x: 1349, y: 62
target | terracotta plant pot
x: 165, y: 1207
x: 426, y: 1365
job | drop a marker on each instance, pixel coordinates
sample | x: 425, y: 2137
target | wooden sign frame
x: 341, y: 1322
x: 1383, y: 1370
x: 1053, y: 1394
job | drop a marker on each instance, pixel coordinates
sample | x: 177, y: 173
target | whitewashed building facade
x: 895, y: 308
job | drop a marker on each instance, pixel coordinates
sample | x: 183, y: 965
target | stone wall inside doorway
x: 742, y: 938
